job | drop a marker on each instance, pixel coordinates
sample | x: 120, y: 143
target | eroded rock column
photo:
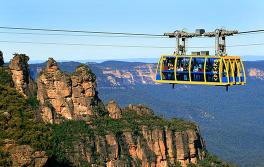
x: 21, y: 76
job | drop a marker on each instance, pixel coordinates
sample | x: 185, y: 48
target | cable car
x: 204, y: 70
x: 200, y: 68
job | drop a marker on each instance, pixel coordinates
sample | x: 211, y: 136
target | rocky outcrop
x: 158, y: 147
x: 24, y: 155
x: 73, y: 96
x: 140, y: 109
x: 21, y: 76
x: 1, y: 58
x: 64, y: 96
x: 114, y: 110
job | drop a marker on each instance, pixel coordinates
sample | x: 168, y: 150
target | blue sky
x: 135, y: 16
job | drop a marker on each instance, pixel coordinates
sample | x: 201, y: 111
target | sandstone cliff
x: 64, y: 96
x: 123, y: 137
x: 135, y: 138
x: 21, y: 76
x: 256, y: 73
x: 24, y: 155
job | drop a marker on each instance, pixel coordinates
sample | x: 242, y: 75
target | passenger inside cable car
x: 168, y: 68
x: 197, y: 69
x: 182, y: 73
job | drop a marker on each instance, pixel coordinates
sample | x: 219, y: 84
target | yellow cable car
x: 204, y: 70
x: 199, y: 68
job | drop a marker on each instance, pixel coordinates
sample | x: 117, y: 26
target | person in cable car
x: 179, y: 72
x: 200, y: 70
x: 195, y: 70
x: 180, y: 68
x: 170, y: 66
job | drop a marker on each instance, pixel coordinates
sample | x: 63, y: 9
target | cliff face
x: 21, y: 76
x: 24, y: 155
x: 64, y: 96
x: 136, y: 138
x: 256, y: 73
x: 130, y: 74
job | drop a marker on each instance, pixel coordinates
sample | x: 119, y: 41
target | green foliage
x: 5, y: 77
x: 5, y: 159
x: 153, y: 121
x: 66, y: 136
x: 212, y: 160
x: 17, y: 121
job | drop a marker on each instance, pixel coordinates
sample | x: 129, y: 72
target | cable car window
x: 183, y: 69
x: 158, y: 77
x: 224, y: 74
x: 235, y: 69
x: 242, y: 72
x: 168, y: 68
x: 212, y: 69
x: 197, y: 69
x: 239, y: 68
x: 231, y: 70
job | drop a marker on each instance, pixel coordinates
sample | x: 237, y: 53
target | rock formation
x: 21, y: 76
x: 256, y: 73
x: 24, y: 155
x: 114, y: 110
x: 1, y: 58
x: 140, y: 109
x: 157, y: 147
x: 150, y: 147
x: 64, y: 96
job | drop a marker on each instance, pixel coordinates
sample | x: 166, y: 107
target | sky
x: 137, y: 16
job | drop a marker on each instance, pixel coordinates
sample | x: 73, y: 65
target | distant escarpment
x: 66, y: 124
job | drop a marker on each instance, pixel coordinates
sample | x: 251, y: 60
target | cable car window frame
x: 226, y: 64
x: 238, y: 70
x: 167, y: 74
x: 231, y: 62
x: 175, y: 68
x: 158, y: 70
x: 244, y: 73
